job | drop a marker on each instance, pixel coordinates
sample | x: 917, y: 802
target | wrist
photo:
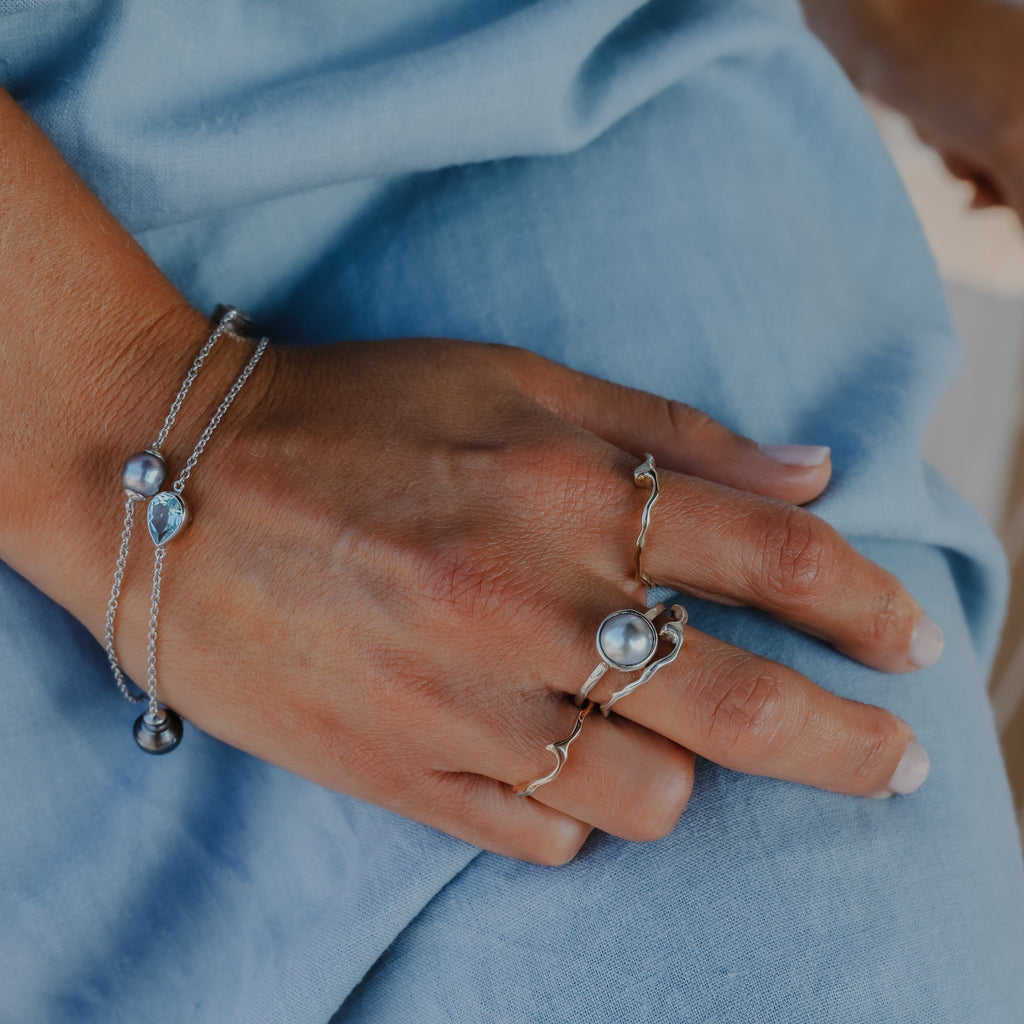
x: 94, y: 340
x: 107, y: 401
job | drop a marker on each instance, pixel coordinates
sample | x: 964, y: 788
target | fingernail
x: 882, y: 794
x: 926, y: 642
x: 912, y: 769
x: 796, y: 454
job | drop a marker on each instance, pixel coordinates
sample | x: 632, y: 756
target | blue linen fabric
x: 683, y: 196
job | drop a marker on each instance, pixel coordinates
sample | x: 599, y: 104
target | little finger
x: 488, y: 814
x: 616, y: 775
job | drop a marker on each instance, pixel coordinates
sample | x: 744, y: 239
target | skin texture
x: 400, y: 551
x: 953, y: 67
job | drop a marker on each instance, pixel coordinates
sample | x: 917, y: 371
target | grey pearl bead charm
x: 159, y: 732
x: 143, y: 474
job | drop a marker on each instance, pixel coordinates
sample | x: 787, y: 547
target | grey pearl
x: 143, y: 474
x: 158, y: 733
x: 627, y: 640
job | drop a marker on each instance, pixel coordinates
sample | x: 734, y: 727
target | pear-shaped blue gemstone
x: 166, y: 515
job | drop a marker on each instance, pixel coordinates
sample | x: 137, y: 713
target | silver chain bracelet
x: 159, y: 729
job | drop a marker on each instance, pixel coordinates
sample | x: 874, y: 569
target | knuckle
x: 560, y: 844
x: 686, y: 419
x: 874, y: 749
x: 747, y: 713
x: 886, y: 625
x: 797, y: 554
x: 663, y: 812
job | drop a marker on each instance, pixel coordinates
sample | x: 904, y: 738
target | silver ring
x: 561, y: 752
x: 644, y: 474
x: 627, y: 641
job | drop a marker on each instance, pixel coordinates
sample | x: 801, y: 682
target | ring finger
x: 757, y: 716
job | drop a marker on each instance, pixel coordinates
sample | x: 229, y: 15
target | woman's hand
x: 401, y: 551
x: 953, y: 67
x: 400, y: 555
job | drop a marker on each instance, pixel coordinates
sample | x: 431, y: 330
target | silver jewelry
x: 561, y: 752
x: 159, y: 729
x: 644, y: 474
x: 627, y: 641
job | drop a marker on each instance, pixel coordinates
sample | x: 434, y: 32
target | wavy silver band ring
x: 644, y: 474
x: 627, y: 641
x: 561, y: 752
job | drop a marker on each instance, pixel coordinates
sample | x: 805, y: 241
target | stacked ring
x: 561, y: 752
x: 627, y: 641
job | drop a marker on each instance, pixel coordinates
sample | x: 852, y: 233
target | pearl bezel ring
x: 626, y: 640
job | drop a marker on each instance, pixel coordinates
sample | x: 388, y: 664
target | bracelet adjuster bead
x: 159, y: 731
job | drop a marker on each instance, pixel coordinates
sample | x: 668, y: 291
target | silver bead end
x: 159, y: 732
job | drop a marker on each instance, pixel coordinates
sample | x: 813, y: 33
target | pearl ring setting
x: 627, y: 641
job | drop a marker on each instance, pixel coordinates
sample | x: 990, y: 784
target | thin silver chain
x: 190, y: 379
x: 178, y: 487
x: 129, y: 512
x: 115, y: 596
x: 154, y: 614
x: 204, y: 438
x: 227, y: 319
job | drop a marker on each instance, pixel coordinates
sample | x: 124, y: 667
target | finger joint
x: 798, y: 556
x: 747, y: 713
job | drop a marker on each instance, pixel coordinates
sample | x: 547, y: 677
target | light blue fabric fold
x: 685, y: 197
x: 272, y: 101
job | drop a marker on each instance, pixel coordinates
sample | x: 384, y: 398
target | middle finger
x: 715, y: 542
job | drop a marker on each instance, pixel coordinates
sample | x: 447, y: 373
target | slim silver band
x: 644, y: 474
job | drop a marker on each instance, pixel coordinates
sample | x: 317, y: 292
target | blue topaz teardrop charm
x: 165, y: 515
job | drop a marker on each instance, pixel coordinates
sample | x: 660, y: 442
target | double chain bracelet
x: 159, y: 729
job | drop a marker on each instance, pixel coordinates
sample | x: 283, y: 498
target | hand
x: 399, y: 557
x: 953, y: 67
x: 401, y: 551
